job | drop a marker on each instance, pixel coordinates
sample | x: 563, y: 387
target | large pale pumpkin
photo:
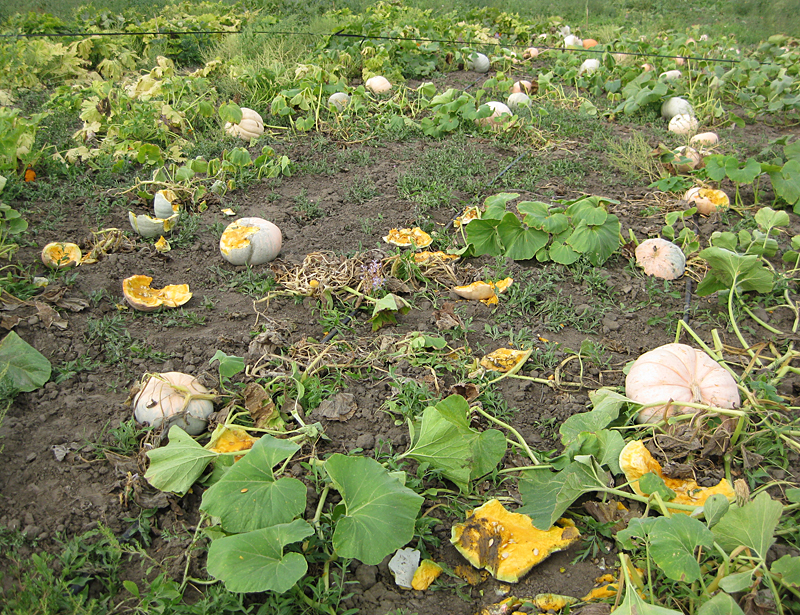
x: 173, y: 398
x: 250, y: 127
x: 677, y: 372
x: 250, y: 241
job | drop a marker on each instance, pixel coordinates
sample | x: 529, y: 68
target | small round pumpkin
x: 589, y: 66
x: 250, y: 241
x: 378, y: 84
x: 522, y: 86
x: 495, y: 120
x: 661, y: 258
x: 140, y: 296
x: 60, y: 255
x: 707, y: 200
x: 704, y: 139
x: 166, y: 400
x: 677, y: 372
x: 479, y: 62
x: 686, y: 159
x: 683, y: 124
x: 250, y: 127
x: 166, y: 204
x: 647, y: 67
x: 572, y: 41
x: 339, y: 100
x: 676, y: 106
x: 588, y: 43
x: 670, y: 75
x: 530, y: 53
x: 518, y: 99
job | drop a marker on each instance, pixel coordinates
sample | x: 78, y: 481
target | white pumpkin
x: 523, y: 86
x: 147, y: 226
x: 681, y: 373
x: 251, y: 126
x: 378, y: 84
x: 165, y: 204
x: 495, y: 120
x: 339, y: 100
x: 519, y: 99
x: 159, y: 404
x: 589, y: 66
x: 661, y: 258
x: 683, y: 124
x: 704, y: 139
x: 572, y: 41
x: 676, y: 106
x: 250, y: 241
x: 530, y: 53
x: 670, y: 75
x: 686, y: 159
x: 479, y: 62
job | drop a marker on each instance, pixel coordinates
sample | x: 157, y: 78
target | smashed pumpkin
x: 140, y: 296
x: 507, y: 544
x: 636, y: 461
x: 230, y: 439
x: 426, y: 574
x: 503, y: 359
x: 406, y: 237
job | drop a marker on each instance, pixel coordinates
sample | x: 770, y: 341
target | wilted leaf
x: 176, y: 466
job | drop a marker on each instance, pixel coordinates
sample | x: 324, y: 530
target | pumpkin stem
x: 696, y: 395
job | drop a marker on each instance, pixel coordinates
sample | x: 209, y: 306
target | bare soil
x: 57, y: 483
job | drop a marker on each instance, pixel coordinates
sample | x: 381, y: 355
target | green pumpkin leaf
x: 563, y: 254
x: 742, y: 174
x: 715, y: 508
x: 721, y: 604
x: 248, y: 497
x: 598, y: 243
x: 535, y: 213
x: 651, y: 483
x: 256, y: 562
x: 673, y: 541
x: 788, y: 567
x: 380, y: 512
x: 520, y: 243
x: 751, y: 525
x: 482, y: 235
x: 22, y: 367
x: 176, y: 466
x: 745, y: 271
x: 495, y: 205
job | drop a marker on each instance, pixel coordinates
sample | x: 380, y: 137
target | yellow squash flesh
x: 505, y: 543
x: 406, y: 237
x: 140, y: 296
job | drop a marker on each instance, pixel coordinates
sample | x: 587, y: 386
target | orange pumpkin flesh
x: 59, y: 255
x: 503, y: 359
x: 636, y: 461
x: 426, y: 574
x: 230, y: 439
x: 433, y: 258
x: 141, y: 297
x: 505, y: 543
x: 407, y: 237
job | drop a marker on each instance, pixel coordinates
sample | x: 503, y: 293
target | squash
x: 408, y: 237
x: 519, y: 99
x: 426, y: 574
x: 661, y: 258
x: 479, y: 62
x: 589, y: 66
x: 704, y: 139
x: 507, y: 544
x: 686, y: 159
x: 137, y: 292
x: 339, y: 100
x: 707, y: 200
x: 147, y: 226
x: 530, y: 53
x: 60, y: 255
x: 173, y: 398
x: 496, y: 119
x: 378, y: 84
x: 476, y: 290
x: 588, y: 43
x: 250, y: 127
x: 677, y: 372
x: 572, y: 41
x: 523, y: 86
x: 166, y: 204
x: 250, y: 241
x: 676, y: 106
x: 670, y: 75
x: 683, y: 124
x: 503, y: 359
x: 636, y: 461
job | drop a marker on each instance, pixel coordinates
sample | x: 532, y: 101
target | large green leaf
x: 535, y: 213
x: 520, y: 243
x: 495, y: 205
x: 742, y: 174
x: 448, y: 444
x: 721, y: 604
x: 751, y: 525
x: 606, y: 406
x: 248, y: 497
x: 21, y: 365
x: 482, y: 234
x: 786, y: 181
x: 728, y: 268
x: 598, y: 243
x: 255, y: 561
x: 673, y: 541
x: 380, y: 512
x: 176, y: 466
x: 788, y: 567
x: 546, y: 495
x: 563, y: 254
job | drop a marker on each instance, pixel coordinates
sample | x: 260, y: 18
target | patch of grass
x: 306, y: 208
x: 110, y: 333
x: 361, y: 190
x: 247, y: 281
x: 68, y: 369
x: 632, y: 158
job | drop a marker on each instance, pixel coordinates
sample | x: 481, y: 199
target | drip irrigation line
x: 363, y: 37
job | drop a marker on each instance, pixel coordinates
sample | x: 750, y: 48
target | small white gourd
x: 676, y: 106
x: 479, y: 62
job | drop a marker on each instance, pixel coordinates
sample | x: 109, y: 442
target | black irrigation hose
x: 363, y: 37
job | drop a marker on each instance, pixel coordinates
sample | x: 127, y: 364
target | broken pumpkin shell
x: 166, y: 204
x: 636, y: 461
x: 407, y: 237
x: 426, y: 574
x: 140, y: 296
x: 230, y: 439
x: 476, y: 290
x: 60, y: 255
x: 507, y: 544
x: 470, y: 213
x: 503, y: 359
x: 431, y: 258
x: 707, y: 200
x: 661, y: 258
x: 678, y: 372
x: 378, y: 84
x: 166, y: 399
x: 553, y: 602
x: 147, y: 226
x: 250, y: 241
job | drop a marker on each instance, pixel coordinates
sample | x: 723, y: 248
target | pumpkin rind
x: 166, y: 204
x: 60, y: 255
x: 251, y: 126
x: 507, y: 544
x: 252, y: 241
x: 408, y: 237
x: 159, y: 404
x: 707, y: 200
x: 147, y: 226
x: 636, y: 461
x: 680, y: 373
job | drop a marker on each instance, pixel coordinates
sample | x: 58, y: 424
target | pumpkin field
x: 399, y: 308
